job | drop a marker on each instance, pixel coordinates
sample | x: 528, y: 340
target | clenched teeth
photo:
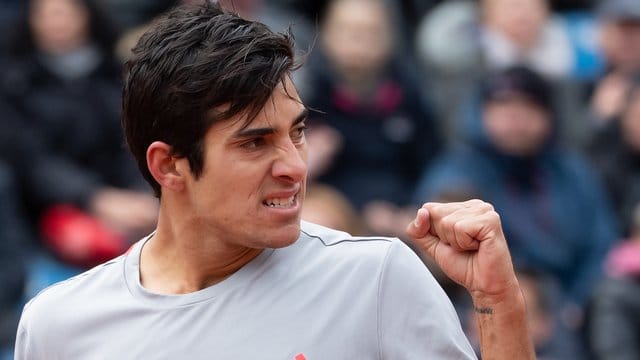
x: 280, y: 203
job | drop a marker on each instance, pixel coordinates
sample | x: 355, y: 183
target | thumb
x: 418, y: 231
x: 419, y: 227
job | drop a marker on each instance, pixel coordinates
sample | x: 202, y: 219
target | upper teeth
x: 283, y: 202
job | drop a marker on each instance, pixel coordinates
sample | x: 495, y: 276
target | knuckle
x: 494, y: 217
x: 457, y: 227
x: 489, y: 206
x: 448, y: 223
x: 475, y: 202
x: 429, y: 205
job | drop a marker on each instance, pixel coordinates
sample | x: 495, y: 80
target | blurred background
x: 532, y: 105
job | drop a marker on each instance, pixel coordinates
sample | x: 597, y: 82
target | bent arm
x: 467, y: 242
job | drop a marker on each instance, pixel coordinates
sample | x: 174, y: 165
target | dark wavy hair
x: 192, y: 62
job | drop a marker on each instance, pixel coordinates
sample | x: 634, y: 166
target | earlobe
x: 163, y: 166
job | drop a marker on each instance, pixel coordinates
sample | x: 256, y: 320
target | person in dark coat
x: 62, y: 89
x: 615, y: 152
x: 374, y: 130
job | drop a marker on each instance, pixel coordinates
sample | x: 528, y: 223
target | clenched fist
x: 466, y: 240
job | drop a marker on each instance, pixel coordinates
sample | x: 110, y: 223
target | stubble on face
x: 251, y: 190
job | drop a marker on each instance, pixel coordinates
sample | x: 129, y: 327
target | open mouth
x: 281, y: 203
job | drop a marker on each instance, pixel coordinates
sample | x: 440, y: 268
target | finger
x: 462, y: 234
x: 443, y: 218
x: 454, y: 223
x: 443, y: 209
x: 472, y: 229
x: 487, y: 227
x: 452, y: 230
x: 419, y: 227
x: 430, y: 245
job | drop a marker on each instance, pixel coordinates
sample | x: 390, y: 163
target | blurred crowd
x: 532, y: 105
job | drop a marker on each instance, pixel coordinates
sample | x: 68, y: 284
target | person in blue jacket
x: 553, y: 208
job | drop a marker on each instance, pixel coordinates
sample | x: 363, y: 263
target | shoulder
x: 61, y: 309
x: 340, y: 243
x: 341, y: 248
x: 328, y: 237
x: 384, y: 275
x: 65, y: 297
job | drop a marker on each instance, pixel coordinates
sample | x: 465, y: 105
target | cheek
x: 497, y: 123
x: 303, y: 150
x: 541, y: 128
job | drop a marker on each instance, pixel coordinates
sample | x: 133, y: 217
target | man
x: 217, y: 128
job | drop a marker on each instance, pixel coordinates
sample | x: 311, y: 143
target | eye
x: 253, y: 143
x: 298, y: 133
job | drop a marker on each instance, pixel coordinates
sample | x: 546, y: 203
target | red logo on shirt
x: 300, y: 357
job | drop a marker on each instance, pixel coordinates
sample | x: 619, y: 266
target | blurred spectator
x: 374, y: 131
x: 554, y: 212
x: 405, y: 13
x: 13, y: 240
x: 620, y: 42
x: 616, y: 154
x: 615, y: 315
x: 496, y: 35
x: 62, y: 87
x: 326, y: 206
x: 461, y: 40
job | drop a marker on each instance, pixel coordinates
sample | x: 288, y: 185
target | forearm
x: 504, y: 333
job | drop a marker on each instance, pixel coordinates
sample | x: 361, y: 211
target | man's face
x: 59, y: 25
x: 357, y: 36
x: 516, y: 125
x: 251, y: 190
x: 520, y: 20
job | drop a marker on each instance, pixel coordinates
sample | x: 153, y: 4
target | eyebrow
x: 256, y: 132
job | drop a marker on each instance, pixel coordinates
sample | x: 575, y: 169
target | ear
x: 165, y: 168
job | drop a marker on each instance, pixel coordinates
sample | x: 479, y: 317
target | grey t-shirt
x: 327, y: 296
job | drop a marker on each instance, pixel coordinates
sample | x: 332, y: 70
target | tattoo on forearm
x: 483, y: 310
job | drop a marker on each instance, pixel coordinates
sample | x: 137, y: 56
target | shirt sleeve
x: 416, y: 319
x: 22, y: 348
x: 35, y: 325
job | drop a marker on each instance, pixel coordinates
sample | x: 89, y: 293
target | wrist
x: 502, y: 319
x: 509, y: 301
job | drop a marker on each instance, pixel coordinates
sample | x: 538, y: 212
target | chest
x: 234, y: 327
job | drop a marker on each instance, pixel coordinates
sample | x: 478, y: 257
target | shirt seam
x: 350, y: 239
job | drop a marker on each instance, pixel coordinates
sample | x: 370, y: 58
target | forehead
x: 280, y: 109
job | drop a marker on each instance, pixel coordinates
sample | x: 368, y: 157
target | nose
x: 291, y: 164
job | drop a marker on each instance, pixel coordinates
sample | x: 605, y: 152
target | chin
x: 284, y: 236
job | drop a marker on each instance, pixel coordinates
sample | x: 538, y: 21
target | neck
x: 180, y: 258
